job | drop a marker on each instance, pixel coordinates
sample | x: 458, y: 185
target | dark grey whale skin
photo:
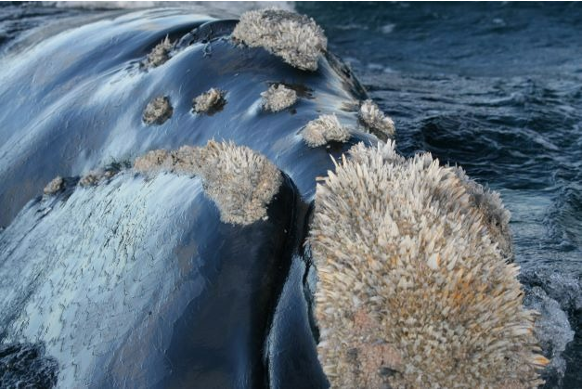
x: 209, y: 304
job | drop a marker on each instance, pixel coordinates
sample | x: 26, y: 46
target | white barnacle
x: 55, y: 186
x: 278, y: 97
x: 326, y: 128
x: 158, y: 111
x: 297, y: 39
x: 210, y: 101
x: 376, y: 121
x: 94, y: 177
x: 159, y: 54
x: 90, y: 179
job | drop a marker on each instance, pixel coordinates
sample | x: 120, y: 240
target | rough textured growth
x: 326, y: 128
x: 159, y: 54
x: 158, y: 111
x: 278, y: 97
x: 153, y: 161
x: 210, y: 101
x: 94, y: 177
x: 412, y: 291
x: 55, y: 186
x: 360, y: 154
x: 375, y: 120
x: 297, y: 39
x: 240, y: 181
x: 495, y: 216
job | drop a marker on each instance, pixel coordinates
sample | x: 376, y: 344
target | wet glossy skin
x: 83, y: 108
x: 136, y: 282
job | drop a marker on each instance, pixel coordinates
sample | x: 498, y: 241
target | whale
x: 203, y: 203
x: 132, y: 280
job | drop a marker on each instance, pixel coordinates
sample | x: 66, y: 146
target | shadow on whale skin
x: 148, y: 295
x: 84, y: 107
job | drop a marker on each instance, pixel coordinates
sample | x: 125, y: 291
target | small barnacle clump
x: 297, y: 39
x: 209, y: 102
x: 158, y: 111
x: 241, y: 182
x: 159, y: 54
x: 278, y: 97
x: 412, y: 289
x: 375, y: 120
x: 326, y: 128
x: 92, y: 178
x: 55, y: 186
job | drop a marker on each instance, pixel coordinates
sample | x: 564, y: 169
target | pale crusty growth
x: 209, y: 101
x: 412, y: 291
x: 159, y: 54
x: 90, y: 179
x: 278, y: 97
x: 495, y: 215
x: 326, y: 128
x: 94, y: 177
x: 55, y: 186
x: 158, y: 111
x: 376, y: 121
x: 360, y: 154
x: 297, y: 39
x: 240, y: 181
x: 153, y: 161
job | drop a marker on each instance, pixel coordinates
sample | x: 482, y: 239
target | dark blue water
x: 493, y: 87
x: 497, y: 89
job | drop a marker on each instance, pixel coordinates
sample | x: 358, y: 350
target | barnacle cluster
x: 278, y: 97
x: 325, y: 128
x: 209, y: 101
x: 159, y: 54
x: 297, y: 39
x: 413, y: 290
x: 240, y: 181
x: 158, y: 111
x: 55, y: 186
x: 375, y: 120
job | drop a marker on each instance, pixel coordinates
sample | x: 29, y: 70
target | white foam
x: 388, y: 28
x: 553, y: 295
x: 552, y: 329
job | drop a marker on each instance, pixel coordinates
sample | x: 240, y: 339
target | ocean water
x: 493, y: 87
